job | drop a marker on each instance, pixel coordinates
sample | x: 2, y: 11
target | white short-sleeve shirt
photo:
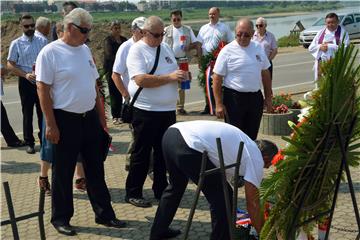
x: 120, y: 61
x: 201, y: 136
x: 177, y: 44
x: 141, y: 60
x: 71, y: 74
x: 210, y: 35
x: 241, y: 66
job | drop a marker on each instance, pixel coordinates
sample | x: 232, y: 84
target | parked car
x: 350, y: 21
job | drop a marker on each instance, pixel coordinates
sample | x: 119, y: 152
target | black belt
x: 235, y: 91
x: 81, y: 115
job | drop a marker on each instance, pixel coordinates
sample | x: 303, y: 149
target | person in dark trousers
x: 111, y: 45
x: 74, y: 121
x: 240, y: 70
x: 6, y: 130
x: 154, y: 109
x: 21, y: 59
x: 183, y: 162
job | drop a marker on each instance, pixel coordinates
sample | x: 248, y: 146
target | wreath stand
x: 230, y: 211
x: 343, y: 141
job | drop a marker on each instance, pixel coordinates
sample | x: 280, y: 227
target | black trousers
x: 149, y: 128
x: 29, y: 98
x: 244, y: 110
x: 6, y: 130
x: 78, y: 135
x: 271, y: 69
x: 184, y: 163
x: 115, y: 97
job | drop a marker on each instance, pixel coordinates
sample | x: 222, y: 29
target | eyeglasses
x: 176, y: 19
x: 157, y: 35
x: 29, y: 25
x: 259, y: 25
x: 83, y: 30
x: 243, y: 34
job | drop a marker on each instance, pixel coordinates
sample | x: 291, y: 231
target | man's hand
x: 220, y: 111
x: 324, y: 47
x: 178, y: 75
x: 30, y: 77
x: 268, y: 105
x: 52, y: 134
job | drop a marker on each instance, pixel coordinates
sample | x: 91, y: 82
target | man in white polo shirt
x: 154, y: 109
x: 183, y: 162
x: 210, y: 35
x: 120, y: 73
x: 66, y: 79
x: 240, y: 68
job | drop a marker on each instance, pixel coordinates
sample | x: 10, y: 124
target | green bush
x: 291, y: 40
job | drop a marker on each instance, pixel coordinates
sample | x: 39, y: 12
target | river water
x: 281, y: 26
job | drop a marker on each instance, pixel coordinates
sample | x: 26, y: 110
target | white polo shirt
x: 201, y: 136
x: 241, y: 66
x: 71, y: 74
x: 120, y: 61
x: 210, y: 36
x: 141, y: 60
x: 177, y: 45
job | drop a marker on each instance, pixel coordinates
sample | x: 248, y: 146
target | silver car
x: 350, y: 21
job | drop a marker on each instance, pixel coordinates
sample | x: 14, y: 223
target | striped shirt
x: 24, y: 51
x: 39, y: 34
x: 268, y: 42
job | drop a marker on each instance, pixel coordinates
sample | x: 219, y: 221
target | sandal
x: 138, y: 202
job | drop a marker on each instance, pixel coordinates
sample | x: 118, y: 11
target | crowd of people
x: 58, y: 78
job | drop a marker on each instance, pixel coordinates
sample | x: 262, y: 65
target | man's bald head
x: 244, y: 31
x: 214, y: 15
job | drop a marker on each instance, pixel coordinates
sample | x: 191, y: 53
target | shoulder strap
x: 151, y: 72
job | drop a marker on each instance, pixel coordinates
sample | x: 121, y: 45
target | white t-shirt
x: 178, y: 45
x: 71, y: 74
x: 242, y: 66
x: 211, y: 35
x: 141, y: 60
x: 201, y: 136
x: 120, y: 61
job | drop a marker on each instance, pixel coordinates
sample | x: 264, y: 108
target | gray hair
x: 261, y: 20
x: 152, y: 22
x: 246, y: 20
x: 42, y: 22
x: 77, y: 16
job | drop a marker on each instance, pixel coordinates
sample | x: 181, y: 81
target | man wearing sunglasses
x: 181, y: 40
x: 210, y: 36
x: 154, y: 109
x: 240, y: 68
x: 66, y: 78
x: 22, y: 55
x: 267, y: 41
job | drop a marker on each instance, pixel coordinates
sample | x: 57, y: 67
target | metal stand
x: 344, y: 143
x: 13, y: 220
x: 230, y: 210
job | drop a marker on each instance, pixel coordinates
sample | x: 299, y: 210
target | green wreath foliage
x: 204, y: 63
x: 335, y: 101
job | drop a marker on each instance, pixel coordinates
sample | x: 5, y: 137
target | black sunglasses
x: 243, y: 34
x: 29, y: 25
x: 259, y: 25
x: 83, y: 30
x: 157, y: 35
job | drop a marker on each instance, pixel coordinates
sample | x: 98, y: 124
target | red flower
x: 278, y: 157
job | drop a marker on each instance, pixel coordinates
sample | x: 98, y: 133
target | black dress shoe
x: 30, y: 150
x: 169, y: 233
x: 66, y: 230
x: 116, y: 223
x: 19, y: 143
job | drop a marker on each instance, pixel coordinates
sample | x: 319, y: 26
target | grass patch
x: 291, y: 40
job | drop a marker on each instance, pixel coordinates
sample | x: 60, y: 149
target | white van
x: 350, y: 21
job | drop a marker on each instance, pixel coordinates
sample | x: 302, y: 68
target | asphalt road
x: 292, y: 73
